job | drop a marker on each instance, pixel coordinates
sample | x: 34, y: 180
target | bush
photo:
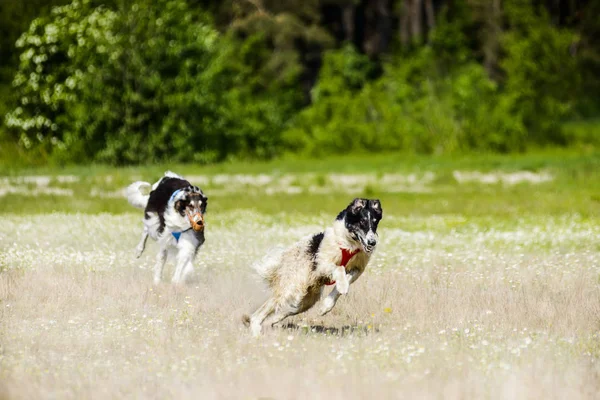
x: 542, y: 77
x: 439, y: 100
x: 55, y: 55
x: 412, y: 107
x: 147, y: 82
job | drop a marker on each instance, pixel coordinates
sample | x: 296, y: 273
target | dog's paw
x: 256, y: 329
x: 327, y: 306
x: 342, y: 283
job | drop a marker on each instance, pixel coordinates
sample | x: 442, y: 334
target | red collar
x: 346, y: 257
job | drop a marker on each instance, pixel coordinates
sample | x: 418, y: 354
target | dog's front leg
x: 342, y: 283
x: 330, y: 301
x: 183, y: 263
x: 185, y: 258
x: 332, y: 298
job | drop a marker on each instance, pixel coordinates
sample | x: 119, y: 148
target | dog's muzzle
x: 369, y: 242
x: 197, y: 221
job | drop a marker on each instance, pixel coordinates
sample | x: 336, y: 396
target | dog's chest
x: 358, y: 262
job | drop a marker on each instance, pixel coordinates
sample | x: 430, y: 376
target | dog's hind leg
x: 260, y: 315
x: 142, y: 244
x: 280, y: 316
x: 161, y: 258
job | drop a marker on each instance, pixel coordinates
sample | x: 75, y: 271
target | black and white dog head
x: 361, y: 218
x: 190, y: 202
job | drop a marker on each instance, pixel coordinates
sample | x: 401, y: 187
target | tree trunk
x: 493, y: 30
x: 348, y: 21
x: 415, y: 19
x: 384, y: 25
x: 430, y: 13
x: 404, y: 23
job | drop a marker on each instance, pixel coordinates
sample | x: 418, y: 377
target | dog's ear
x: 204, y: 203
x: 180, y: 205
x: 376, y: 207
x: 357, y: 205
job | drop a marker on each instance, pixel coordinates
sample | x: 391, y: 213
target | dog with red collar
x: 174, y: 217
x: 337, y: 256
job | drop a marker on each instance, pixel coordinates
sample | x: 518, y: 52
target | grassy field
x: 550, y: 183
x: 485, y: 284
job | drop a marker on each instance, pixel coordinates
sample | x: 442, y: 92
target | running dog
x: 338, y: 256
x: 174, y: 217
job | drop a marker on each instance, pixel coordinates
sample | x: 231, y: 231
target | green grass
x: 355, y: 163
x: 574, y: 188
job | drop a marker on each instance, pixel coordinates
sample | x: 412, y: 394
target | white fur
x: 135, y: 196
x: 185, y: 254
x: 296, y: 286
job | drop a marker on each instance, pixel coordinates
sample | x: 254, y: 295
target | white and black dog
x: 174, y: 217
x: 338, y: 256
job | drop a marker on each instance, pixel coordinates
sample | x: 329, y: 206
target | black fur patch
x: 159, y: 198
x: 313, y: 248
x: 360, y: 215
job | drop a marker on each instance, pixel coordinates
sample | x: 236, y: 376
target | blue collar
x: 174, y: 194
x: 177, y: 235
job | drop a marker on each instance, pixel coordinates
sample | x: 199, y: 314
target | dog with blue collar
x: 174, y: 217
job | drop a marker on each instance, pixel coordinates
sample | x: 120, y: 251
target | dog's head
x: 190, y: 202
x: 361, y: 218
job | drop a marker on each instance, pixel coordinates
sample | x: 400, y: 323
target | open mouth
x: 367, y: 248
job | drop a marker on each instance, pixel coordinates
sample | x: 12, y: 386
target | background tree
x: 124, y: 81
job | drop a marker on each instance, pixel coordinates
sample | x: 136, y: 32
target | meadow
x: 485, y: 284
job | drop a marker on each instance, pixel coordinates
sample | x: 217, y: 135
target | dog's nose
x: 371, y: 242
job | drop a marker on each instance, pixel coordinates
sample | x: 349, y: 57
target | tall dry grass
x: 508, y: 312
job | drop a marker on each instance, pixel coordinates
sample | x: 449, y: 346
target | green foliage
x: 46, y: 84
x: 438, y: 99
x: 543, y: 77
x: 413, y: 107
x: 135, y: 81
x: 144, y: 101
x: 15, y: 17
x: 150, y: 81
x: 253, y: 108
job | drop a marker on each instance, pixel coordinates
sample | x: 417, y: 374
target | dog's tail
x: 268, y: 267
x: 246, y: 320
x: 135, y: 196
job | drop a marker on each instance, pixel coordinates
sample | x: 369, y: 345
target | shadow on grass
x: 330, y: 330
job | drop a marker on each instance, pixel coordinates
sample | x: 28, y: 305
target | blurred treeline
x: 136, y: 81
